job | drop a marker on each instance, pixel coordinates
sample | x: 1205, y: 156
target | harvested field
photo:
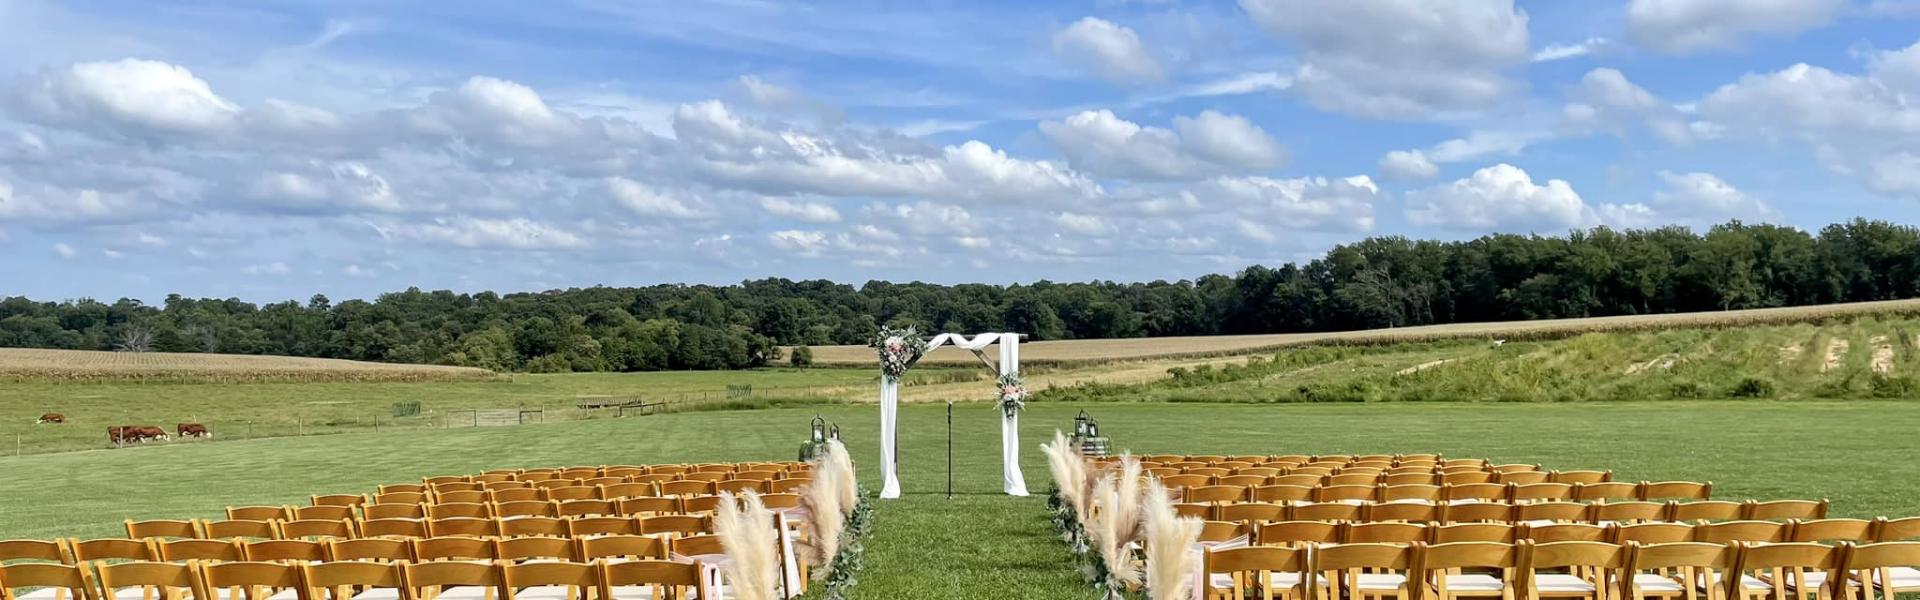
x: 88, y: 365
x: 1067, y: 352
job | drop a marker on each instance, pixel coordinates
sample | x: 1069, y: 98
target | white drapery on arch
x: 1012, y: 481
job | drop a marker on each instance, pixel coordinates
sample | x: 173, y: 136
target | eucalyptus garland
x: 847, y: 563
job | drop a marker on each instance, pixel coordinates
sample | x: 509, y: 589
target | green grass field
x: 982, y: 544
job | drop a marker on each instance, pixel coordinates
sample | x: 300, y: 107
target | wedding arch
x: 899, y: 349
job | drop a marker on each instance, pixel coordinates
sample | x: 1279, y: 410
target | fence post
x: 16, y: 445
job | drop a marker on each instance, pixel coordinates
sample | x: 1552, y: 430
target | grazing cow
x: 117, y: 435
x: 149, y: 432
x: 193, y: 430
x: 55, y: 418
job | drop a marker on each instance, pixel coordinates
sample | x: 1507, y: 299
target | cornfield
x: 25, y: 364
x: 1081, y: 352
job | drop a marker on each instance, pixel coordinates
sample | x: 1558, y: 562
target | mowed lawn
x: 982, y: 544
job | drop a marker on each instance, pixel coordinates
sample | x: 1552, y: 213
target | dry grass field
x: 1080, y: 352
x: 85, y: 365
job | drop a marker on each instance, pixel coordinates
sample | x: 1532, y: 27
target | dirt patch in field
x: 1424, y: 366
x: 1882, y: 355
x: 1836, y: 354
x: 1662, y: 364
x: 1791, y: 354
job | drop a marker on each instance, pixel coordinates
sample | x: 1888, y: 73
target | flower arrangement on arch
x: 1012, y: 392
x: 898, y: 348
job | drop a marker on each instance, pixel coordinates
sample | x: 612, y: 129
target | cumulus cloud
x: 1555, y: 52
x: 645, y: 200
x: 64, y: 250
x: 810, y: 212
x: 326, y: 186
x: 1110, y: 51
x: 1895, y: 175
x: 129, y: 97
x: 1396, y: 59
x: 470, y: 232
x: 272, y: 268
x: 1408, y: 164
x: 1504, y: 197
x: 1206, y: 144
x: 1707, y: 198
x: 1310, y: 203
x: 1686, y: 26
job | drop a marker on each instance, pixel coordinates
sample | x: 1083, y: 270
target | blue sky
x: 275, y: 150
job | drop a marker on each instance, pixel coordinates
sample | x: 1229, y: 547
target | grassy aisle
x: 982, y: 544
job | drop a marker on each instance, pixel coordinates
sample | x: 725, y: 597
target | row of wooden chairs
x: 640, y: 505
x: 409, y: 528
x: 1571, y: 570
x: 1329, y: 532
x: 689, y: 538
x: 1331, y: 469
x: 1199, y: 488
x: 636, y: 579
x: 1463, y: 512
x: 1312, y: 459
x: 592, y: 472
x: 602, y: 489
x: 1315, y: 477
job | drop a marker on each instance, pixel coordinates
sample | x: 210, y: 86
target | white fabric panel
x: 1014, y: 482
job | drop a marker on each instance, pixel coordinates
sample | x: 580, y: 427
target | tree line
x: 1378, y: 282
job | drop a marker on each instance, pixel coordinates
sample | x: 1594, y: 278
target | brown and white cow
x: 150, y: 432
x: 187, y: 430
x: 117, y: 435
x: 54, y: 418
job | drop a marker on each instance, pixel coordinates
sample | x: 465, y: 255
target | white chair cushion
x: 462, y: 593
x: 1379, y: 581
x: 632, y: 592
x: 545, y: 592
x: 1474, y: 583
x: 1652, y: 582
x: 47, y: 594
x: 1563, y: 583
x: 1904, y: 577
x: 378, y: 594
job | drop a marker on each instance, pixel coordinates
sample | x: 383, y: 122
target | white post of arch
x: 1013, y: 481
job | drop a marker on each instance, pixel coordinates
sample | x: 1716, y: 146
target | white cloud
x: 322, y: 185
x: 131, y: 97
x: 1313, y: 203
x: 147, y: 239
x: 1408, y: 164
x: 1110, y: 51
x: 64, y: 250
x: 1399, y: 59
x: 644, y: 200
x: 1501, y: 197
x: 805, y: 243
x: 1207, y: 144
x: 1685, y: 26
x: 470, y: 232
x: 1707, y: 197
x: 1609, y: 88
x: 1895, y: 175
x: 782, y: 98
x: 1555, y: 52
x: 810, y: 212
x: 272, y: 268
x: 112, y: 254
x: 1079, y: 223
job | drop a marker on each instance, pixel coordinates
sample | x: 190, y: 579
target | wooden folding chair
x: 626, y: 490
x: 1883, y: 570
x: 355, y: 580
x: 52, y: 551
x: 453, y: 580
x: 1586, y: 570
x: 47, y: 581
x: 1678, y: 570
x: 1476, y: 511
x: 1410, y: 493
x: 1412, y: 512
x: 402, y: 528
x: 588, y: 526
x: 1740, y: 531
x: 453, y: 548
x: 1858, y: 531
x: 462, y: 497
x: 1350, y: 494
x: 252, y: 580
x: 1541, y: 513
x: 1520, y: 493
x: 1325, y: 511
x: 295, y: 530
x: 1251, y: 512
x: 1631, y: 511
x: 1580, y: 477
x: 292, y: 551
x: 526, y: 494
x: 1787, y: 571
x: 393, y: 511
x: 573, y: 492
x: 1606, y: 491
x: 1283, y: 494
x: 164, y: 529
x: 1780, y: 510
x: 1295, y: 533
x: 1364, y: 571
x: 112, y: 549
x: 131, y: 580
x: 1384, y: 533
x: 370, y: 550
x: 651, y: 579
x: 1706, y: 511
x: 1496, y: 533
x: 675, y: 525
x: 1653, y: 533
x: 1521, y: 478
x: 259, y: 513
x: 531, y: 508
x: 622, y: 547
x: 1675, y: 490
x: 181, y: 550
x: 551, y: 580
x: 469, y: 510
x: 338, y: 500
x: 1568, y: 532
x: 462, y: 526
x: 549, y: 548
x: 1216, y: 494
x: 1268, y: 572
x: 533, y: 526
x: 239, y: 528
x: 1444, y: 568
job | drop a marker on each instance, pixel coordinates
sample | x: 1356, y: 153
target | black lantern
x: 1086, y: 431
x: 835, y: 432
x: 817, y: 442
